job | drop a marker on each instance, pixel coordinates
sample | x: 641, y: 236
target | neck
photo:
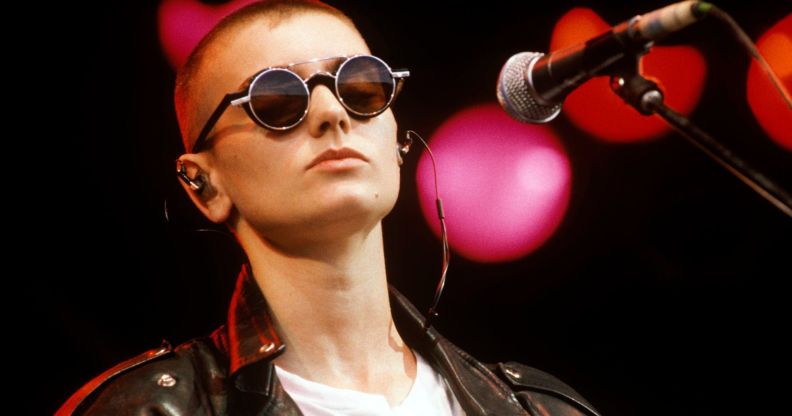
x: 330, y: 303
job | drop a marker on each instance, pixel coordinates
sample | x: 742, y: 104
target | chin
x: 332, y: 216
x: 346, y: 203
x: 370, y: 203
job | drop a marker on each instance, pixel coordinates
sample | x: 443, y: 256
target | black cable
x: 744, y: 40
x: 443, y: 236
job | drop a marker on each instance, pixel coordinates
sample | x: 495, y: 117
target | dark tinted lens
x: 279, y: 98
x: 365, y: 85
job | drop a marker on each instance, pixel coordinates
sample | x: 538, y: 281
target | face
x: 266, y: 176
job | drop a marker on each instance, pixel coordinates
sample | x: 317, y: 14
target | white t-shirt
x: 429, y: 395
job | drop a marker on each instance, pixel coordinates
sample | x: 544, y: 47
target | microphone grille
x: 515, y: 92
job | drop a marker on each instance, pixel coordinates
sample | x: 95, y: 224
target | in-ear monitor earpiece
x: 196, y: 184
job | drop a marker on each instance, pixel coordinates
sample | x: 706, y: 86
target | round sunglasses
x: 277, y: 98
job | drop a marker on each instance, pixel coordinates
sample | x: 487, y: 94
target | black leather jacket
x: 231, y: 372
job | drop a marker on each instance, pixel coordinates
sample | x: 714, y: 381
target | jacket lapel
x: 478, y: 390
x: 253, y: 343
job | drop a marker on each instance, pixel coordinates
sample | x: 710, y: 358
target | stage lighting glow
x: 594, y: 108
x: 505, y: 185
x: 768, y: 107
x: 182, y: 24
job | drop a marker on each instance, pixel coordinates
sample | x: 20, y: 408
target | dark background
x: 663, y: 291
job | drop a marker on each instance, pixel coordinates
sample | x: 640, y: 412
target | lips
x: 336, y: 154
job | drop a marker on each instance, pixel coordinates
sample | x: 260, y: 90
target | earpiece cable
x: 443, y: 235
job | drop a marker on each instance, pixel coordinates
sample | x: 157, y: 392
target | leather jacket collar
x: 251, y: 332
x: 252, y: 343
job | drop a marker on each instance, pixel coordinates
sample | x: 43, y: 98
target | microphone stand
x: 645, y: 96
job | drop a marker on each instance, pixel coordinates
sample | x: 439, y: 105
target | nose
x: 326, y: 113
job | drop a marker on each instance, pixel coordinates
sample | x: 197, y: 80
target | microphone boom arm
x: 645, y: 96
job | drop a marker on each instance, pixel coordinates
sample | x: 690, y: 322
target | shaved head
x: 193, y: 102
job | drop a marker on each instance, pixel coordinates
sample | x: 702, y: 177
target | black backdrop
x: 662, y: 292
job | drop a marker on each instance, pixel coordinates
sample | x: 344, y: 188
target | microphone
x: 532, y: 86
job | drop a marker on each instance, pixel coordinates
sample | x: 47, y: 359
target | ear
x: 203, y: 187
x: 403, y: 147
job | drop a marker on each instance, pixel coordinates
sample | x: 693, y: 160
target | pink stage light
x: 182, y: 24
x: 505, y: 185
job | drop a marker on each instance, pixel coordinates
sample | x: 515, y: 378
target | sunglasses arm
x: 210, y: 123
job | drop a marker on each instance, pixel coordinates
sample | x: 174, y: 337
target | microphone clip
x: 642, y: 94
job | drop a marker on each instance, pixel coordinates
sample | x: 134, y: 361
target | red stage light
x: 768, y: 107
x: 594, y: 108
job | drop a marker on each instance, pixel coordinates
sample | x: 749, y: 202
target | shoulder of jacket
x: 539, y: 386
x: 158, y: 368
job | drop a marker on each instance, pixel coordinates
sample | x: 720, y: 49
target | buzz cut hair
x: 188, y: 96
